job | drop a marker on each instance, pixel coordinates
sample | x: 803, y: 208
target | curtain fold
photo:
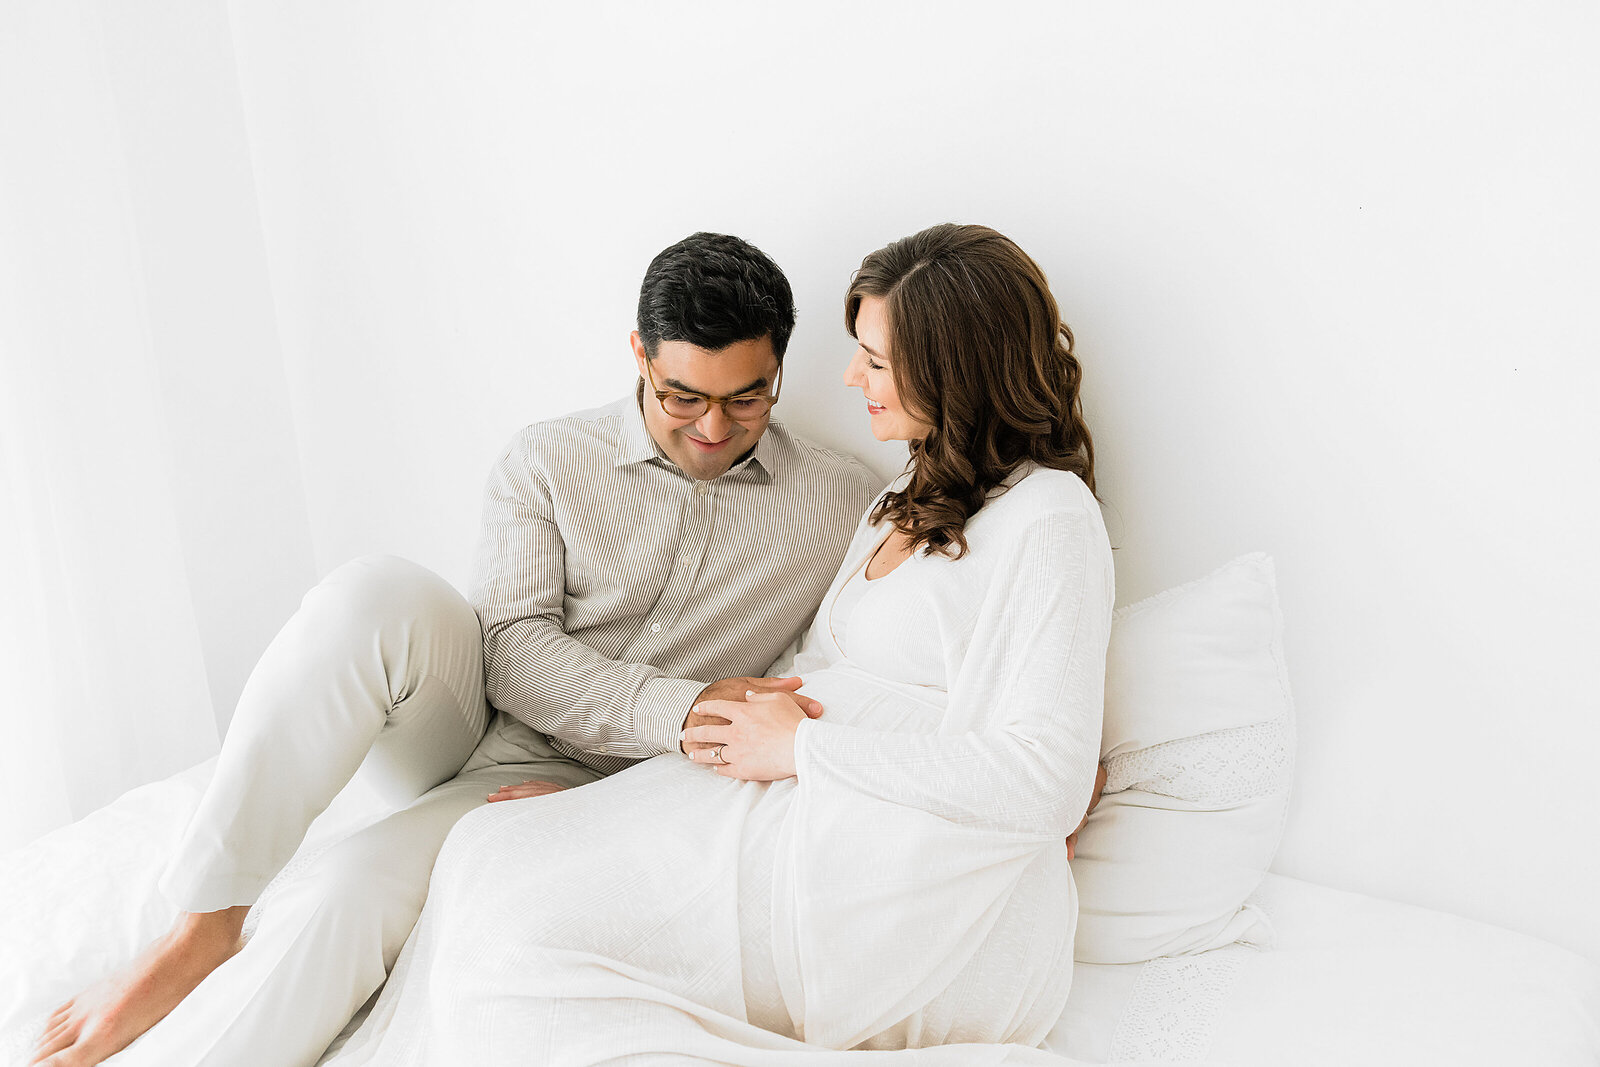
x: 103, y: 670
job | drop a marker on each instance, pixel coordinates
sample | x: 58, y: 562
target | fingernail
x: 695, y: 709
x: 683, y: 735
x: 749, y: 692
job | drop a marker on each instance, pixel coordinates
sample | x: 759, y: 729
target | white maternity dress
x: 908, y: 888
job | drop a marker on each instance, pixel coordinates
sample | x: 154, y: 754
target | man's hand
x: 1099, y: 788
x: 735, y: 689
x: 530, y: 788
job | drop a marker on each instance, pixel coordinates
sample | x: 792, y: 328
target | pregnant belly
x: 852, y: 697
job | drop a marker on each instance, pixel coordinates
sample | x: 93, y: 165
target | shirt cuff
x: 659, y: 711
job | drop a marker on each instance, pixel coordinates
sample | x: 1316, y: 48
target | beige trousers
x: 378, y: 677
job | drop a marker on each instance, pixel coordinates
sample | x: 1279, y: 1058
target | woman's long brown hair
x: 978, y: 350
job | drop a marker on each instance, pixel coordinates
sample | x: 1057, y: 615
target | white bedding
x: 1351, y: 979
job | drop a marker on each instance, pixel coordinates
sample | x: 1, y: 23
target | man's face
x: 705, y: 447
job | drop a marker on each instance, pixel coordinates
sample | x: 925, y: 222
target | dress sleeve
x: 1021, y: 736
x: 532, y: 669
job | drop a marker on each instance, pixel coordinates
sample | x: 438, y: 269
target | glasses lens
x: 747, y: 407
x: 683, y: 406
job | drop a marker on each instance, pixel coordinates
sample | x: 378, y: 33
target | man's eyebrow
x: 683, y: 387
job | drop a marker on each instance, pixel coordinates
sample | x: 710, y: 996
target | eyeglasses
x: 745, y: 407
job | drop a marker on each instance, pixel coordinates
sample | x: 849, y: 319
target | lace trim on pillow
x: 1221, y: 768
x: 1172, y: 1012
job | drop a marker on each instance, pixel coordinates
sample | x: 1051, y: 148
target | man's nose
x: 714, y: 424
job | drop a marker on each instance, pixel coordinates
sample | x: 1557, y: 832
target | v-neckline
x: 866, y: 566
x: 860, y: 571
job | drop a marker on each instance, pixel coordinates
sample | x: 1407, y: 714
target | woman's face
x: 869, y: 371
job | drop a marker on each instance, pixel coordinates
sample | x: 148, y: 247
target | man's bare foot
x: 105, y: 1018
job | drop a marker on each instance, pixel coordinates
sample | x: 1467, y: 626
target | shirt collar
x: 637, y: 446
x: 762, y: 465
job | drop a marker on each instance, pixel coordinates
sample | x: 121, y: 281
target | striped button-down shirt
x: 612, y: 587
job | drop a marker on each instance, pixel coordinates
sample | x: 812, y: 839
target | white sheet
x: 82, y: 901
x: 1351, y: 980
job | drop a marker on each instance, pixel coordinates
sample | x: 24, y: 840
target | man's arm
x: 532, y: 669
x: 553, y: 682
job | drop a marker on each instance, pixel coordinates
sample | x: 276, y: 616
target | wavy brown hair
x: 978, y: 351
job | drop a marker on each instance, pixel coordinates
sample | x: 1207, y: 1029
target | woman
x: 890, y: 875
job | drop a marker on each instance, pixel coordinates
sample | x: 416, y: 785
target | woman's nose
x: 852, y: 373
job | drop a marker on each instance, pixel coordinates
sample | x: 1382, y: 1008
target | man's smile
x: 709, y: 447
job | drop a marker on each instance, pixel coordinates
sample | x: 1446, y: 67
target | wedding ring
x: 720, y: 758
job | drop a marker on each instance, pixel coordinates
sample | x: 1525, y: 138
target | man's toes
x: 58, y: 1018
x: 47, y: 1048
x: 53, y: 1033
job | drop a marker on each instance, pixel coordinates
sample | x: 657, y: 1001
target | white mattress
x: 1350, y: 979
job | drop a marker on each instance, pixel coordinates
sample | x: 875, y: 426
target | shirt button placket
x: 690, y: 548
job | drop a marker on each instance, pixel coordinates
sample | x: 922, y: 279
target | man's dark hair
x: 713, y: 290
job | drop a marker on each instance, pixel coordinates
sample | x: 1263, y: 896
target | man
x: 629, y: 555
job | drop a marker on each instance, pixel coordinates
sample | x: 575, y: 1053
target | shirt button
x: 701, y: 488
x: 655, y: 627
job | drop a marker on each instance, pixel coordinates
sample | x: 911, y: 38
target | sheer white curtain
x: 153, y: 529
x: 105, y: 684
x: 104, y: 676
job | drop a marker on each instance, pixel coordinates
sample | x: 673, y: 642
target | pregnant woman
x: 890, y: 876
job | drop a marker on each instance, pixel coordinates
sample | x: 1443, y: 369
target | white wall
x: 1330, y: 269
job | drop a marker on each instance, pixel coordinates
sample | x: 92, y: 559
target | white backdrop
x: 1331, y: 270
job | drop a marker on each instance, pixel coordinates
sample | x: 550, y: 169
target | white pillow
x: 1199, y: 751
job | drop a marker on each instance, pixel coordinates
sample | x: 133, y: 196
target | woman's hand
x: 730, y: 689
x: 757, y: 742
x: 530, y: 788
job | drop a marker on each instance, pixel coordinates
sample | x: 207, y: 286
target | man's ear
x: 638, y: 351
